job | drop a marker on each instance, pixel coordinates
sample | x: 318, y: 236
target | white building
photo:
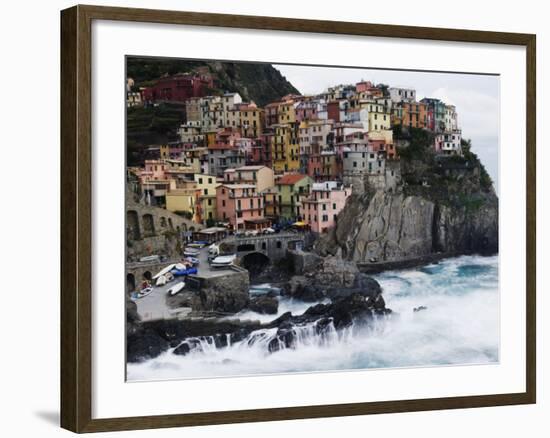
x: 402, y: 94
x: 451, y: 118
x: 449, y: 143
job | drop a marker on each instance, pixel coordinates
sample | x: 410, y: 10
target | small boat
x: 163, y: 271
x: 151, y: 258
x: 193, y: 252
x: 221, y: 261
x: 193, y: 260
x: 180, y: 266
x: 182, y: 272
x: 161, y: 281
x: 144, y: 292
x: 176, y: 288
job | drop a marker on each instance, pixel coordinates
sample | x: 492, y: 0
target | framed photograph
x: 269, y: 219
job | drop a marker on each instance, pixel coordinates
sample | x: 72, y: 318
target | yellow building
x: 385, y: 135
x: 287, y: 112
x: 286, y: 149
x: 210, y: 137
x: 206, y: 197
x: 379, y: 115
x: 252, y: 119
x: 164, y: 152
x: 182, y: 200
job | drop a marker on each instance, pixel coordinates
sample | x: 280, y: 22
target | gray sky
x: 476, y: 98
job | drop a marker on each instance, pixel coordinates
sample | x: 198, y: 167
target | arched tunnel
x: 255, y: 262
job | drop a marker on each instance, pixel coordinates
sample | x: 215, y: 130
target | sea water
x: 459, y: 326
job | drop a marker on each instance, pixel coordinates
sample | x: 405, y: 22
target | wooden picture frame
x: 76, y: 218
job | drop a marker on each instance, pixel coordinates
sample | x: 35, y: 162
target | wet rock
x: 265, y: 304
x: 145, y: 344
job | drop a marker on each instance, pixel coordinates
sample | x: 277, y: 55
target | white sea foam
x: 459, y: 326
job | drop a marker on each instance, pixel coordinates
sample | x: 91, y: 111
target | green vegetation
x: 420, y: 143
x: 484, y: 178
x: 452, y: 180
x: 151, y: 125
x: 261, y: 83
x: 158, y: 124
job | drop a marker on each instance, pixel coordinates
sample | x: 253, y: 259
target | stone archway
x: 255, y: 262
x: 130, y: 282
x: 148, y: 225
x: 147, y: 275
x: 132, y: 225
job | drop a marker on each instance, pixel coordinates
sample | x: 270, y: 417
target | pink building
x: 363, y: 86
x: 227, y: 136
x: 239, y: 203
x: 325, y: 201
x: 306, y: 110
x: 154, y: 170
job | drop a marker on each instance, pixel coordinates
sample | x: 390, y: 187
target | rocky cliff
x: 443, y: 206
x: 259, y: 82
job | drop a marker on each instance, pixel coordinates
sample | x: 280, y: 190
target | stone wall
x: 274, y: 246
x: 153, y: 230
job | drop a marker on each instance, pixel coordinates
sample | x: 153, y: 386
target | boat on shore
x: 174, y: 290
x: 223, y: 261
x: 163, y: 271
x: 184, y: 272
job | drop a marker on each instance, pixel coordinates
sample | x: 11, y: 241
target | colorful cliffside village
x: 296, y: 160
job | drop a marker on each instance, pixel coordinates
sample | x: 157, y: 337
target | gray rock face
x: 228, y: 294
x: 392, y: 226
x: 223, y: 294
x: 265, y: 304
x: 332, y: 278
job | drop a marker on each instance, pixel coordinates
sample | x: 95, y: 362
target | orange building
x: 414, y: 114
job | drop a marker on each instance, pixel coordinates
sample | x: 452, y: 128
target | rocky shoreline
x: 348, y: 297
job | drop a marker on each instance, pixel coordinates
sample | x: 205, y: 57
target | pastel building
x: 239, y: 203
x: 436, y: 110
x: 206, y: 197
x: 451, y: 118
x: 398, y: 95
x: 292, y: 187
x: 320, y: 209
x: 285, y: 153
x: 448, y: 143
x: 261, y: 177
x: 414, y: 115
x: 183, y: 199
x: 222, y: 157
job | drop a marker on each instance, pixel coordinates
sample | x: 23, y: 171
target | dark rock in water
x: 151, y: 338
x: 355, y: 299
x: 419, y: 309
x: 183, y: 349
x: 145, y: 344
x: 333, y: 278
x: 366, y: 285
x: 265, y: 304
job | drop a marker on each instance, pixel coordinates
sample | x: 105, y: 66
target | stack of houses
x: 296, y: 159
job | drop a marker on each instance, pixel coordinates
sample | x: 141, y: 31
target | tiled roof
x: 290, y: 179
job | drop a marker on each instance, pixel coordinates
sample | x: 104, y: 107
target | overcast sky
x: 476, y: 98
